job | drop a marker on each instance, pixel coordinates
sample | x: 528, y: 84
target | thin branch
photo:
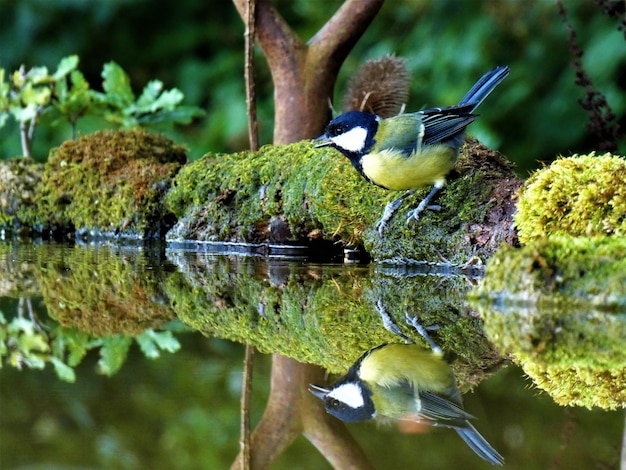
x: 253, y: 132
x: 246, y: 390
x: 281, y: 422
x: 273, y: 34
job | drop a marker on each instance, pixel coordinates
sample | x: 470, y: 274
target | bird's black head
x: 351, y: 133
x: 349, y: 401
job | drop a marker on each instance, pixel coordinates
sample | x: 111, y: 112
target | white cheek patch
x: 350, y: 394
x: 352, y: 140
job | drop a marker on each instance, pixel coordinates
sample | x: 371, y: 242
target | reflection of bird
x: 408, y: 382
x: 408, y: 151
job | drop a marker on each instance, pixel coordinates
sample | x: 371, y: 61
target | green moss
x: 19, y: 178
x: 559, y: 269
x: 317, y: 314
x: 319, y: 195
x: 233, y: 197
x: 102, y: 294
x: 581, y: 195
x: 112, y: 182
x: 558, y: 305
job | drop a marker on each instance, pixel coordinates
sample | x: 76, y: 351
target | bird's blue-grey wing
x: 442, y: 411
x: 441, y: 124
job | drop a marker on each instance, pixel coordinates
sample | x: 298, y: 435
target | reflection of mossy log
x: 323, y: 315
x: 560, y: 269
x: 576, y: 355
x: 558, y: 305
x: 110, y: 182
x: 105, y: 294
x: 295, y: 193
x: 17, y: 280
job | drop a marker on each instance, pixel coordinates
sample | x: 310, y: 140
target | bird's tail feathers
x: 484, y: 86
x: 479, y: 444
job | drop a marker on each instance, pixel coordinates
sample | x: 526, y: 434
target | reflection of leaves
x: 64, y: 372
x: 24, y: 343
x: 152, y: 341
x: 113, y: 354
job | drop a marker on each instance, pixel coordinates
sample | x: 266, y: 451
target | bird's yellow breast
x: 393, y: 363
x: 394, y: 170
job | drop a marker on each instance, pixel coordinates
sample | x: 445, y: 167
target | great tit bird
x: 408, y: 151
x: 406, y: 382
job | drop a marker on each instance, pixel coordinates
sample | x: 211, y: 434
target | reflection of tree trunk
x: 292, y: 410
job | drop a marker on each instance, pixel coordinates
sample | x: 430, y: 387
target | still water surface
x: 128, y: 358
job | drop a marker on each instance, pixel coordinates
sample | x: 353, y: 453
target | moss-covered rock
x: 19, y: 179
x: 582, y: 195
x: 296, y: 193
x: 111, y: 183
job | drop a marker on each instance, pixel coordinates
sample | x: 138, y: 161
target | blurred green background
x: 197, y: 46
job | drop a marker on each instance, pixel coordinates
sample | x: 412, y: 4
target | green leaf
x: 38, y: 75
x: 116, y: 86
x: 149, y: 94
x: 79, y: 83
x: 35, y: 95
x: 113, y: 354
x: 63, y: 371
x: 67, y: 65
x: 24, y: 114
x: 168, y: 99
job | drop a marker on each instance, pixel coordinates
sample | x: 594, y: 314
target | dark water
x: 128, y: 358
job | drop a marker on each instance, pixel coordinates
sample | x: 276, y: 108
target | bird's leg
x: 388, y: 322
x: 413, y: 321
x: 390, y: 208
x: 415, y: 213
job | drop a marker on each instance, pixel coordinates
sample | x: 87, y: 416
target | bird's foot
x: 390, y: 209
x: 425, y: 204
x: 389, y: 323
x: 414, y: 215
x: 414, y: 322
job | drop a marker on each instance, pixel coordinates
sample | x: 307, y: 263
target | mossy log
x: 300, y: 195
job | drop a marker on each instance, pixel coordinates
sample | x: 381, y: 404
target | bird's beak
x: 319, y: 392
x: 321, y: 141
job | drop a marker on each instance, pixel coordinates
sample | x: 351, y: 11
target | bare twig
x: 253, y: 133
x: 246, y: 389
x: 623, y: 459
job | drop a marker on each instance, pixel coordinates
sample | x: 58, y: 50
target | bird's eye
x: 336, y: 129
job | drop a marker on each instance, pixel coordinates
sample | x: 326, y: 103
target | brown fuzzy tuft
x: 380, y: 86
